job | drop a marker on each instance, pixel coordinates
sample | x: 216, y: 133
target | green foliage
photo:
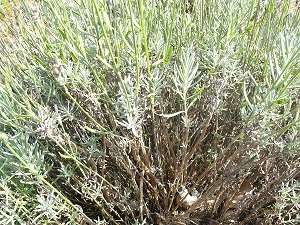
x: 150, y: 112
